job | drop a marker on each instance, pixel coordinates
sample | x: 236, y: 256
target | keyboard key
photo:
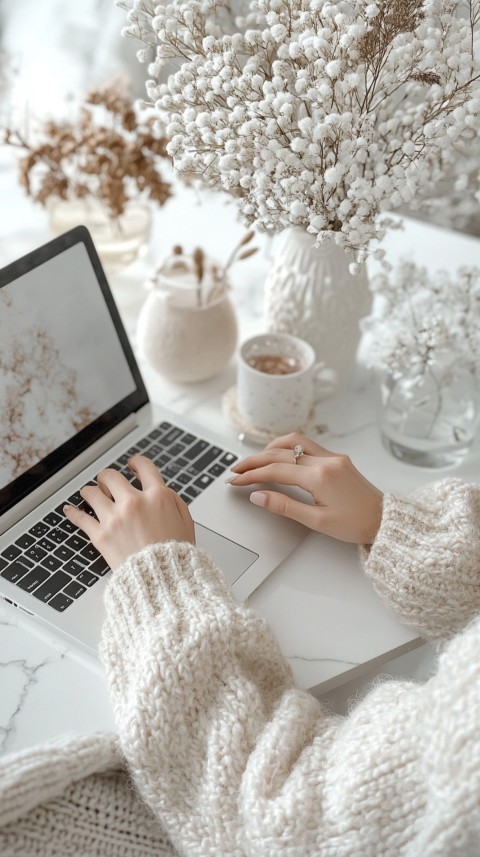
x: 183, y: 478
x: 68, y: 526
x: 25, y: 541
x: 3, y: 563
x: 195, y: 450
x: 51, y: 562
x: 188, y: 439
x: 85, y: 507
x: 87, y: 578
x: 58, y: 536
x: 203, y: 481
x: 149, y: 453
x: 170, y: 470
x: 162, y: 461
x: 28, y: 563
x: 156, y: 449
x: 155, y: 433
x: 60, y: 602
x: 217, y: 469
x: 46, y: 544
x: 176, y: 448
x: 53, y: 519
x: 54, y: 584
x: 171, y: 435
x: 192, y: 492
x: 89, y: 552
x: 75, y: 566
x: 76, y: 498
x: 229, y: 458
x: 63, y: 553
x: 165, y: 425
x: 33, y: 579
x: 208, y: 458
x: 100, y: 566
x: 36, y: 553
x: 11, y: 552
x: 124, y: 459
x: 143, y: 442
x: 136, y: 484
x: 114, y: 466
x: 175, y: 486
x: 181, y: 462
x: 39, y: 530
x: 14, y: 572
x: 74, y: 589
x: 192, y: 470
x: 186, y: 498
x: 76, y: 542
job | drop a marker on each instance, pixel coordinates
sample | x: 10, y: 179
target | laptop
x: 72, y: 402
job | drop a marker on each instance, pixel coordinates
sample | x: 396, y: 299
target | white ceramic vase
x: 310, y: 293
x: 184, y: 342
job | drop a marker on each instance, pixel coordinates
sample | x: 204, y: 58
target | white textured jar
x: 310, y: 293
x: 184, y: 342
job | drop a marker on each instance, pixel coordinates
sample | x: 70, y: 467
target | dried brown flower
x: 107, y: 153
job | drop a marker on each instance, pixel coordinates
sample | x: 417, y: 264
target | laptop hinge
x: 72, y: 469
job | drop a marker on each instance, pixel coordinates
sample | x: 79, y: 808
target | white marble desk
x: 330, y: 624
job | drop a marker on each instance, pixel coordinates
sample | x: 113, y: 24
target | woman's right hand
x: 345, y: 505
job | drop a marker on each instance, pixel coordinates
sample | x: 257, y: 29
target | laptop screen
x: 67, y: 372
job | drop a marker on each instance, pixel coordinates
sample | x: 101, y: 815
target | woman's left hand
x: 345, y: 505
x: 129, y: 519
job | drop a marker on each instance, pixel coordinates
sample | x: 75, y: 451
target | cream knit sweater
x: 228, y: 759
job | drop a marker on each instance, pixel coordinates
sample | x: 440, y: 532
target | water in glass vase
x: 430, y: 418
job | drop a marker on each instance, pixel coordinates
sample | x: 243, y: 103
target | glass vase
x: 118, y: 240
x: 430, y: 417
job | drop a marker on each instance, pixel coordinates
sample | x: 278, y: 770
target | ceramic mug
x: 279, y: 381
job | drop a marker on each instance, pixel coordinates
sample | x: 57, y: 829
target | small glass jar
x: 186, y: 333
x: 430, y: 415
x: 118, y: 240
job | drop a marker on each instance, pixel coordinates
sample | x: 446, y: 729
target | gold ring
x: 297, y: 452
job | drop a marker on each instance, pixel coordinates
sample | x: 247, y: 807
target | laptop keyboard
x: 57, y: 563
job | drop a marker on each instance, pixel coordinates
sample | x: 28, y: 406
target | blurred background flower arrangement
x: 95, y: 168
x: 423, y: 337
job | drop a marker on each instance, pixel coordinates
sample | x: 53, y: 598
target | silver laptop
x: 72, y: 401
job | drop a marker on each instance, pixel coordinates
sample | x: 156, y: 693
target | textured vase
x: 185, y: 343
x: 310, y: 293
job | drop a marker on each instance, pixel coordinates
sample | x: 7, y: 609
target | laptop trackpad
x: 232, y: 559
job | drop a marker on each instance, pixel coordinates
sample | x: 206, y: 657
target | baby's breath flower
x: 419, y: 317
x: 338, y: 111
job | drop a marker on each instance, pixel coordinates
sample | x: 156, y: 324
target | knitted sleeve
x: 425, y: 561
x: 234, y: 760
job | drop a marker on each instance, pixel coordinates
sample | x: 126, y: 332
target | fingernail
x: 259, y: 498
x: 230, y: 479
x: 65, y: 509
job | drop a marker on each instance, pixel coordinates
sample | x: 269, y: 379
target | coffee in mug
x: 275, y: 364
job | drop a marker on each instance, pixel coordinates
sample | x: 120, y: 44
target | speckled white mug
x: 280, y: 403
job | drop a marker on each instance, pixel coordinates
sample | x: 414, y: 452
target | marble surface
x: 330, y: 624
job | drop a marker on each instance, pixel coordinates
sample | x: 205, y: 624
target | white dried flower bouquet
x: 421, y: 322
x: 313, y: 113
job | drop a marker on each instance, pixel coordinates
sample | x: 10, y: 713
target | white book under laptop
x: 72, y: 401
